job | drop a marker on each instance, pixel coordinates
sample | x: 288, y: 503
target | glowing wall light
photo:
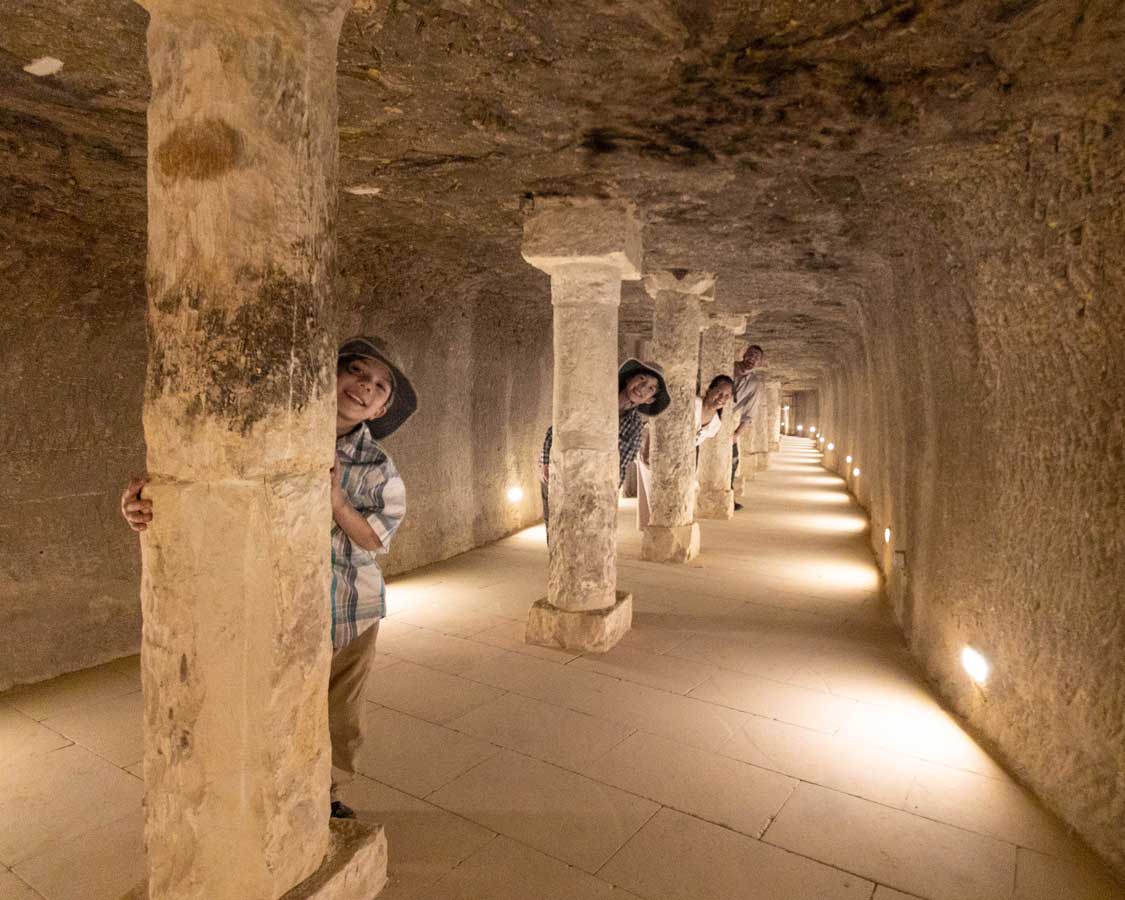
x: 975, y: 664
x: 800, y: 427
x: 886, y: 535
x: 831, y: 446
x: 515, y: 494
x: 848, y: 459
x: 821, y: 439
x: 812, y: 429
x: 855, y: 471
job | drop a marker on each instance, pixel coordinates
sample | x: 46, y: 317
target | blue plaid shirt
x: 630, y: 432
x: 376, y: 490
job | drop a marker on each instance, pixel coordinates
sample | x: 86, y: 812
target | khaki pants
x: 351, y: 665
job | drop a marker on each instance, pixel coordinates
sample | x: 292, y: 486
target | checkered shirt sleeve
x: 630, y: 434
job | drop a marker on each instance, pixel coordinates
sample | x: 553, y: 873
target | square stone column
x: 716, y: 354
x: 757, y: 444
x: 239, y: 418
x: 773, y: 403
x: 588, y: 247
x: 673, y: 534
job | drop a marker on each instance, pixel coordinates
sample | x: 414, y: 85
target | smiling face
x: 718, y: 396
x: 640, y: 389
x: 363, y: 392
x: 752, y: 357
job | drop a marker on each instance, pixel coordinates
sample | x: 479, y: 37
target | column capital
x: 700, y: 285
x: 570, y: 232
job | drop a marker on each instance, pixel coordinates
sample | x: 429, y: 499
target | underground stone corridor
x: 760, y: 732
x: 319, y: 317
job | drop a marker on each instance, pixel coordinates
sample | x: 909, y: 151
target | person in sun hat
x: 641, y: 391
x: 373, y: 400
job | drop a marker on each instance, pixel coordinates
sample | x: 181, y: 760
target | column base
x: 761, y: 461
x: 714, y: 505
x: 354, y: 869
x: 586, y: 630
x: 670, y: 543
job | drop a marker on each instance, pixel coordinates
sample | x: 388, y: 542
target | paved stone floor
x: 761, y: 733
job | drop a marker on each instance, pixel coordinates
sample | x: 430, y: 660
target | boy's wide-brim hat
x: 632, y: 367
x: 403, y: 399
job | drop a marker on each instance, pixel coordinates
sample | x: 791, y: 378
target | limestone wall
x: 982, y: 407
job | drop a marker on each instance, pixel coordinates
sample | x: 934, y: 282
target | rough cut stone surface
x: 674, y: 543
x: 675, y: 325
x: 715, y: 499
x: 239, y: 417
x: 588, y: 631
x: 581, y: 232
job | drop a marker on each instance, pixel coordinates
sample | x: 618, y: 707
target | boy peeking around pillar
x: 373, y: 399
x: 641, y: 390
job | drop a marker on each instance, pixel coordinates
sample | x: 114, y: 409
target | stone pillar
x: 716, y: 357
x: 239, y: 421
x: 773, y: 397
x: 673, y: 534
x: 587, y: 247
x: 757, y: 443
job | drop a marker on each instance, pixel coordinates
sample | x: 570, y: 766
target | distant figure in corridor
x: 708, y: 421
x: 641, y: 390
x: 373, y: 399
x: 747, y: 398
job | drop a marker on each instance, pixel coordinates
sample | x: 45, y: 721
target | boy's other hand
x: 545, y: 474
x: 136, y: 512
x: 339, y: 497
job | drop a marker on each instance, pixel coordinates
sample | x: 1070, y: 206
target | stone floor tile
x: 509, y: 635
x: 1042, y: 877
x: 415, y: 756
x: 12, y: 887
x: 893, y: 847
x: 922, y: 730
x: 450, y: 617
x: 101, y: 864
x: 716, y: 788
x: 558, y: 812
x: 880, y: 676
x: 684, y: 719
x: 111, y: 728
x: 551, y: 733
x: 21, y: 735
x: 541, y: 679
x: 426, y: 842
x: 882, y: 892
x: 54, y: 797
x: 752, y: 654
x: 678, y: 857
x: 666, y: 673
x: 774, y: 700
x: 130, y: 667
x: 49, y: 698
x: 505, y: 870
x: 427, y: 693
x: 438, y: 651
x: 654, y: 632
x: 1002, y: 809
x: 137, y: 770
x: 830, y: 761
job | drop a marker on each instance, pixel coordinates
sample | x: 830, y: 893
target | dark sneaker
x: 737, y: 507
x: 342, y: 810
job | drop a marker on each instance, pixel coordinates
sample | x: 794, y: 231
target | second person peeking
x: 641, y: 391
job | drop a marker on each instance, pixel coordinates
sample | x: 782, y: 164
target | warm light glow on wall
x: 855, y: 471
x: 800, y: 427
x: 831, y: 446
x: 515, y: 494
x: 848, y: 459
x: 886, y: 535
x: 812, y: 429
x: 821, y: 439
x: 975, y: 664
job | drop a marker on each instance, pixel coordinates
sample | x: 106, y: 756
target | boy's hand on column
x: 339, y: 497
x: 136, y: 512
x: 545, y: 473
